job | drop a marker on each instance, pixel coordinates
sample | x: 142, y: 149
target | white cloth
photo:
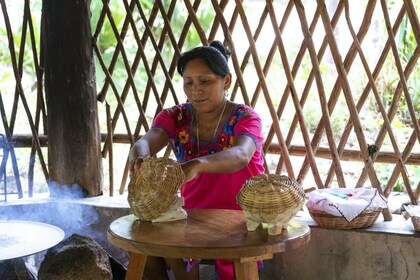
x: 413, y: 210
x: 343, y: 202
x: 174, y: 213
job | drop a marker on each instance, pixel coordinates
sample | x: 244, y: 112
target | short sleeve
x: 165, y: 120
x: 249, y: 123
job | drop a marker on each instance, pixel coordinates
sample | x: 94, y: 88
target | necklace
x: 215, y: 130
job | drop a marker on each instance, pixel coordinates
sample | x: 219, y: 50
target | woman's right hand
x: 135, y: 165
x: 148, y: 145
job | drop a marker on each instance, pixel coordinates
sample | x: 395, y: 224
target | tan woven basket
x: 270, y: 198
x: 363, y: 220
x: 416, y: 222
x: 154, y: 186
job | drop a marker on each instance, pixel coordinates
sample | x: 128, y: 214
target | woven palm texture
x: 272, y: 199
x: 363, y: 220
x: 154, y: 186
x: 416, y: 223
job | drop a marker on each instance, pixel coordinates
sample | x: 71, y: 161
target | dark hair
x: 215, y: 56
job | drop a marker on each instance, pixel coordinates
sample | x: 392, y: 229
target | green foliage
x: 388, y: 78
x: 407, y: 44
x: 28, y: 66
x: 384, y: 172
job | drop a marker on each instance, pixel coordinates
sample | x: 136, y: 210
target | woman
x: 217, y: 141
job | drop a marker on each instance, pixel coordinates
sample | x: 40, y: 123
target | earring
x: 226, y: 92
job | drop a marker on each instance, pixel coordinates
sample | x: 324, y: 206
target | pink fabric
x: 213, y: 191
x: 224, y: 269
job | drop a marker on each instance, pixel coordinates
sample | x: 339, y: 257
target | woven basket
x: 153, y: 187
x: 270, y: 198
x: 363, y: 220
x: 416, y: 222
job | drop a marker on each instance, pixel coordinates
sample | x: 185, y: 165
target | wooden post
x: 74, y: 157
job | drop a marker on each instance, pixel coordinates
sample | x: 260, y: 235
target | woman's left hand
x: 190, y: 170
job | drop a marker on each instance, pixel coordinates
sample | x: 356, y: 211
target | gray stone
x: 76, y: 258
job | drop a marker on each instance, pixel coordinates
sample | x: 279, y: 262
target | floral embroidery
x: 231, y: 141
x: 222, y: 139
x: 183, y: 137
x: 185, y: 143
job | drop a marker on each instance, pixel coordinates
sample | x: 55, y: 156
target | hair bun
x: 219, y: 46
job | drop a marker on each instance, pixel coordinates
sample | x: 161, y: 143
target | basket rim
x: 270, y: 192
x: 365, y: 212
x: 326, y: 220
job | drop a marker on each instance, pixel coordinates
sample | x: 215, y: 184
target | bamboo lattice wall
x: 329, y: 79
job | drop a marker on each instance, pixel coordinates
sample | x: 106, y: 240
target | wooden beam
x: 25, y: 141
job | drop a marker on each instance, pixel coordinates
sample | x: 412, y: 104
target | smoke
x: 73, y: 213
x: 63, y: 191
x: 63, y: 209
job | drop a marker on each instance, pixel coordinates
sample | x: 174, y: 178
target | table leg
x: 136, y: 265
x: 247, y: 270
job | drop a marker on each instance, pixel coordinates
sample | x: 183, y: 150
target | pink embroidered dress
x: 208, y: 190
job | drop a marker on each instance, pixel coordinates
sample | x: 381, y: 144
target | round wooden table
x: 205, y: 234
